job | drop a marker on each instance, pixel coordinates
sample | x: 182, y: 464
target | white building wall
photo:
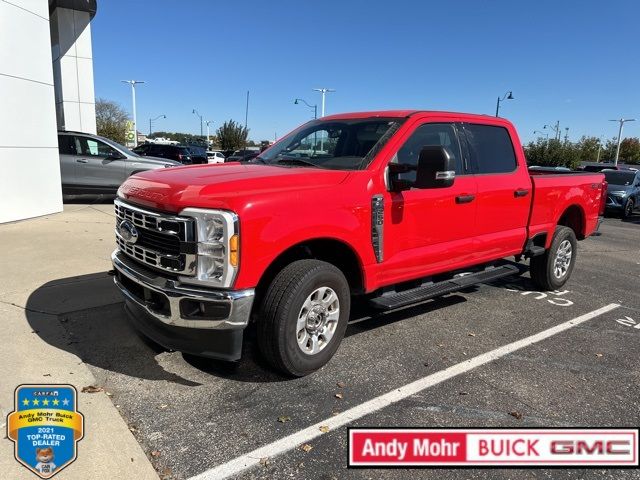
x: 73, y: 70
x: 29, y: 161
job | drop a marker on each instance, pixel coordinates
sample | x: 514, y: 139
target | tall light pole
x: 323, y: 91
x: 507, y: 96
x: 151, y: 120
x: 195, y: 112
x: 555, y: 128
x: 315, y: 107
x: 133, y: 84
x: 542, y: 133
x: 208, y: 122
x: 622, y: 121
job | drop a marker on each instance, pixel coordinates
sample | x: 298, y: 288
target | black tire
x: 281, y: 306
x: 543, y: 267
x: 627, y: 210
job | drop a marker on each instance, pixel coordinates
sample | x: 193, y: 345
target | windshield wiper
x: 258, y: 159
x: 296, y: 161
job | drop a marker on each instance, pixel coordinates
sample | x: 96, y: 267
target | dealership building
x: 46, y: 84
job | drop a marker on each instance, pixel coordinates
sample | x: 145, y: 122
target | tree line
x: 557, y: 153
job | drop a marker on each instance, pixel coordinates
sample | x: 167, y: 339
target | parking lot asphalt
x: 191, y: 415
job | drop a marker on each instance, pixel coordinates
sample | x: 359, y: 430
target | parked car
x: 173, y: 152
x: 396, y: 206
x: 198, y: 154
x: 215, y: 157
x: 90, y: 164
x: 623, y: 191
x: 243, y: 155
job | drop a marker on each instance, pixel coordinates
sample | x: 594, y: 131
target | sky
x: 571, y: 61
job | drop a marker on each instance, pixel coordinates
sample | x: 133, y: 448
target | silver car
x: 90, y: 164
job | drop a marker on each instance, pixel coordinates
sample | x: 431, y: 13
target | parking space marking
x: 252, y: 459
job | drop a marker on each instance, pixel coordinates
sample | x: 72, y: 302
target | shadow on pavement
x: 90, y: 310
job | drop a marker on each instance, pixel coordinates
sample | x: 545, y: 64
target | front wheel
x: 303, y: 316
x: 552, y: 270
x: 628, y: 208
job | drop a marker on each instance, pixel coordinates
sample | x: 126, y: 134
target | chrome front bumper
x: 168, y: 300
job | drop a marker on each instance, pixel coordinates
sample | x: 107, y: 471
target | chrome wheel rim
x: 629, y: 208
x: 317, y: 320
x: 563, y: 259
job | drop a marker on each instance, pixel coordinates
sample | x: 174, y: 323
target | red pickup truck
x: 393, y: 206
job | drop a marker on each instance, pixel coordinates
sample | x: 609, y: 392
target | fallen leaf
x: 163, y: 406
x: 46, y: 375
x: 109, y: 394
x: 133, y: 429
x: 284, y: 419
x: 155, y: 453
x: 516, y: 415
x: 324, y: 428
x: 471, y: 334
x: 264, y: 461
x: 599, y: 354
x: 441, y: 344
x: 333, y: 414
x: 306, y: 448
x: 463, y: 393
x: 339, y: 395
x: 340, y: 385
x: 92, y: 389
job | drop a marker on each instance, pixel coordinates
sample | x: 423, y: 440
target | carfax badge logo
x: 45, y: 427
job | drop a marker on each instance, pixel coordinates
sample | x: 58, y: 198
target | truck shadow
x: 84, y: 315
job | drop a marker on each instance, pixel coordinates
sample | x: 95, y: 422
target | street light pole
x: 151, y: 120
x: 315, y: 107
x: 208, y: 122
x: 507, y: 96
x: 133, y: 84
x: 556, y: 129
x: 195, y: 112
x: 622, y: 121
x: 323, y: 91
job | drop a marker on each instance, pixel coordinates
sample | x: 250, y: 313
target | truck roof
x: 401, y: 114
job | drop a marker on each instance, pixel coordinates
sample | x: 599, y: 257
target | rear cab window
x: 490, y: 149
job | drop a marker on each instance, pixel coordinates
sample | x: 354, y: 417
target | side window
x: 66, y: 145
x: 490, y: 149
x: 443, y: 134
x: 95, y: 148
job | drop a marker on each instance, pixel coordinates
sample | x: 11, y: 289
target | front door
x: 96, y: 169
x: 428, y: 231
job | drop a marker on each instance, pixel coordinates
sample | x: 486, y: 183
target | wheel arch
x: 573, y: 217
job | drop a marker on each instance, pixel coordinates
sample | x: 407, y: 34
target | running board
x: 420, y: 294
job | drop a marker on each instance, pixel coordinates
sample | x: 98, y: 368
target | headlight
x: 618, y: 193
x: 217, y: 246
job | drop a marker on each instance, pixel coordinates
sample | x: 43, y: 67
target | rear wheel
x: 303, y: 316
x: 552, y: 270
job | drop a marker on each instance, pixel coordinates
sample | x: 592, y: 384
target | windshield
x: 619, y: 178
x: 340, y: 144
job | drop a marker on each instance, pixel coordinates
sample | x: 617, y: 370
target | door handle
x: 82, y: 160
x: 465, y: 198
x: 521, y: 192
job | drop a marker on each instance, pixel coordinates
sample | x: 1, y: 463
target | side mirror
x: 435, y: 169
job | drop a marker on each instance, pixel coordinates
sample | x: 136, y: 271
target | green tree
x: 552, y: 153
x: 232, y: 136
x: 111, y: 120
x: 588, y: 148
x: 630, y: 150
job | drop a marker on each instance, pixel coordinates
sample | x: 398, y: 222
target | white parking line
x: 251, y: 459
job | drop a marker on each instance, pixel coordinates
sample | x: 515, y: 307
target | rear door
x: 504, y: 191
x: 95, y: 168
x: 429, y: 230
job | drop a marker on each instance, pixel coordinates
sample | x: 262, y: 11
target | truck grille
x: 163, y: 241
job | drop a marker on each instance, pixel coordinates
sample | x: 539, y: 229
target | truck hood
x: 225, y: 185
x: 612, y: 187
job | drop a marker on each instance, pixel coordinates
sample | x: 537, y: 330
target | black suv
x: 173, y: 152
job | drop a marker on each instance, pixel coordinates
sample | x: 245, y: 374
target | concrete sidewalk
x: 40, y: 259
